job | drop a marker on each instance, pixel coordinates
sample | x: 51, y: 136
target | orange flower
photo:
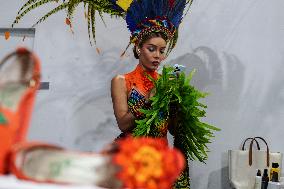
x: 7, y: 35
x: 148, y: 163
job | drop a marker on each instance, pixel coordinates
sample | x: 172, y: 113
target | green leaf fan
x: 177, y: 102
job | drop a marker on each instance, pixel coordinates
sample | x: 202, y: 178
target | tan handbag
x: 243, y: 164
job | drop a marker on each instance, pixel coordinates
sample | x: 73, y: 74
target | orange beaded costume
x: 138, y: 87
x: 138, y: 79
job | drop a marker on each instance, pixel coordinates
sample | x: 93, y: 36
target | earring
x: 138, y: 52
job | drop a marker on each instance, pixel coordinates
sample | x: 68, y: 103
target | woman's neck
x: 146, y: 69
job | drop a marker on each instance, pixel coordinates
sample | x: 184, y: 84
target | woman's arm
x: 124, y: 117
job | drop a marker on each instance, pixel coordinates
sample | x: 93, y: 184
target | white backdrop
x: 237, y: 48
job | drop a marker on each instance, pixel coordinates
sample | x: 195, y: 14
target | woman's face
x: 152, y: 53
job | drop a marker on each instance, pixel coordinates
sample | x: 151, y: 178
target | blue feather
x: 115, y: 6
x: 140, y: 9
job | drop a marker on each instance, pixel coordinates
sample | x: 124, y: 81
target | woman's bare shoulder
x: 118, y: 81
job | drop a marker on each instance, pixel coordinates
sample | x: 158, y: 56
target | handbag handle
x: 267, y: 151
x: 244, y: 143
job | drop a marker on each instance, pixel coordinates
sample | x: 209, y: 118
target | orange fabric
x: 27, y: 102
x: 16, y: 128
x: 7, y: 133
x: 138, y: 79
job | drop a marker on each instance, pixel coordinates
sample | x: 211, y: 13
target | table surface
x: 11, y: 182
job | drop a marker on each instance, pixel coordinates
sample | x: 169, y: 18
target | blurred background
x: 237, y: 48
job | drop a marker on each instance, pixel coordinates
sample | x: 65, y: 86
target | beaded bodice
x: 138, y: 87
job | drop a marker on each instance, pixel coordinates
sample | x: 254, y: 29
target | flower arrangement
x: 177, y: 102
x: 147, y: 162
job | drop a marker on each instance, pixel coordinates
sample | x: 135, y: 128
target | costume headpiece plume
x: 147, y: 16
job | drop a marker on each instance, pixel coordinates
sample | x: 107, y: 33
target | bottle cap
x: 275, y: 165
x: 265, y: 172
x: 258, y: 173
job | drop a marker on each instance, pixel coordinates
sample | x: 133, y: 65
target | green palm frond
x: 188, y: 7
x: 93, y: 22
x: 102, y: 18
x: 191, y: 135
x: 71, y: 8
x: 89, y: 22
x: 100, y: 6
x: 30, y: 8
x: 189, y: 2
x: 53, y: 11
x: 26, y: 4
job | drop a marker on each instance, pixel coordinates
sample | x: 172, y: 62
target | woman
x: 131, y: 91
x: 154, y: 27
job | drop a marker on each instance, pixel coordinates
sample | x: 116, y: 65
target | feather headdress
x: 146, y: 16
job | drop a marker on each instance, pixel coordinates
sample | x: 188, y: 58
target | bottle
x: 257, y: 184
x: 275, y: 170
x: 264, y: 179
x: 274, y: 177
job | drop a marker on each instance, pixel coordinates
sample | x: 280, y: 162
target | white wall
x: 236, y: 46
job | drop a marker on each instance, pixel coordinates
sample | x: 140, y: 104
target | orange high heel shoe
x: 47, y: 163
x: 19, y: 80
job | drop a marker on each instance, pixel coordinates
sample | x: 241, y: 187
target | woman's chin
x: 151, y: 67
x: 154, y: 66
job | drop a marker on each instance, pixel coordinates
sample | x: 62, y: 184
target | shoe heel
x: 19, y: 80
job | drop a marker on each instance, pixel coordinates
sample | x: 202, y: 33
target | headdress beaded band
x: 147, y: 16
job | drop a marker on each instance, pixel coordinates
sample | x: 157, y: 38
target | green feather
x: 102, y: 6
x: 93, y: 23
x: 31, y: 7
x: 89, y: 23
x: 26, y: 4
x: 55, y: 10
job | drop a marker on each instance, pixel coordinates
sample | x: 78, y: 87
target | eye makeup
x: 153, y: 48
